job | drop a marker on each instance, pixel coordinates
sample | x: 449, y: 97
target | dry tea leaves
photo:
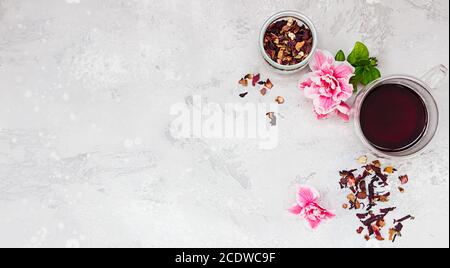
x: 243, y: 95
x: 279, y: 100
x: 362, y: 160
x: 369, y: 190
x: 249, y: 77
x: 243, y: 82
x: 390, y: 170
x: 288, y: 41
x: 256, y: 79
x: 268, y: 84
x: 404, y: 179
x: 263, y: 91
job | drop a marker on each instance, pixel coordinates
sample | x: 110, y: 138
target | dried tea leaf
x: 401, y: 190
x: 269, y: 84
x: 381, y: 223
x: 299, y: 45
x: 389, y: 170
x: 392, y: 234
x: 377, y: 163
x: 256, y: 79
x: 279, y: 100
x: 404, y: 179
x: 243, y: 95
x: 362, y: 160
x: 243, y: 82
x: 249, y: 77
x: 362, y: 195
x: 263, y: 91
x: 351, y: 197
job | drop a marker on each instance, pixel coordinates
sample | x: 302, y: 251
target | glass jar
x: 302, y: 19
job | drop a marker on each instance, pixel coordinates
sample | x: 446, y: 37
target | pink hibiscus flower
x: 328, y: 85
x: 308, y: 207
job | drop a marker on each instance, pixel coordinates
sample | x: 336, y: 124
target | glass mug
x: 422, y: 87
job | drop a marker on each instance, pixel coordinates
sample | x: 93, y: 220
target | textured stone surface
x: 87, y: 159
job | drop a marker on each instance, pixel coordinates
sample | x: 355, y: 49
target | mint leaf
x: 340, y: 56
x: 360, y: 52
x: 365, y: 66
x: 362, y: 63
x: 357, y: 78
x: 370, y: 74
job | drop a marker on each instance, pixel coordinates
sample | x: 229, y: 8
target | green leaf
x: 357, y: 78
x: 340, y: 56
x: 360, y: 52
x: 362, y: 63
x: 370, y: 74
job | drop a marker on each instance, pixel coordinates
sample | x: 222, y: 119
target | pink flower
x: 328, y: 85
x: 308, y: 207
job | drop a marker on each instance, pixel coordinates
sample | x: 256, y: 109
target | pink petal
x: 307, y: 195
x: 343, y: 111
x: 321, y: 116
x: 329, y: 214
x: 296, y: 210
x: 321, y: 59
x: 324, y: 105
x: 346, y: 91
x: 344, y: 70
x: 312, y: 92
x: 314, y: 223
x: 344, y: 117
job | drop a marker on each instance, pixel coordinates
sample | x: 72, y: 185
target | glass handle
x: 434, y: 77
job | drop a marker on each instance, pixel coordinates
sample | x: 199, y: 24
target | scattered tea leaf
x: 362, y: 160
x: 243, y: 82
x: 243, y: 95
x: 404, y: 179
x: 279, y: 100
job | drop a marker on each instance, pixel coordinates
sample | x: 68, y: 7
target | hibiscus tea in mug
x: 393, y: 117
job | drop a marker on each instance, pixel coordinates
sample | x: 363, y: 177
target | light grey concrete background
x: 87, y: 159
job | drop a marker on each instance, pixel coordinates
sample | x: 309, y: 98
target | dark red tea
x: 393, y: 117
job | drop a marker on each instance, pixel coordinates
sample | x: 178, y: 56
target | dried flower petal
x: 377, y: 163
x: 243, y: 82
x: 362, y: 195
x: 404, y: 179
x: 256, y: 79
x: 243, y: 95
x: 299, y: 45
x: 269, y: 84
x: 389, y: 170
x: 279, y: 100
x: 362, y: 160
x: 263, y: 91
